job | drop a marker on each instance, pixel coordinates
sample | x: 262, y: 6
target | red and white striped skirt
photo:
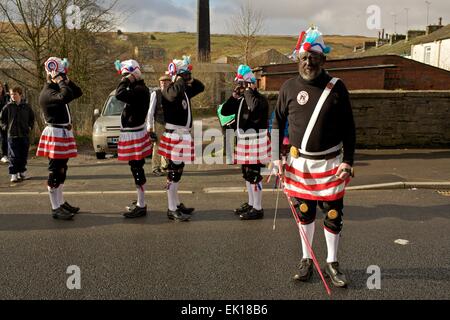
x: 57, y: 143
x: 253, y: 150
x: 314, y: 179
x: 177, y: 147
x: 134, y: 145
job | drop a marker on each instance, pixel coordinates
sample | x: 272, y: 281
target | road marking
x: 88, y: 193
x: 402, y: 242
x: 232, y: 190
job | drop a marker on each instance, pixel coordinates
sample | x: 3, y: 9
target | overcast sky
x: 283, y: 17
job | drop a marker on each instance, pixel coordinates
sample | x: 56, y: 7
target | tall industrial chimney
x: 203, y: 29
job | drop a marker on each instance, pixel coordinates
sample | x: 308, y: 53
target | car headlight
x: 98, y: 128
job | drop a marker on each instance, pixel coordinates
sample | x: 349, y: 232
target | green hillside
x: 180, y: 43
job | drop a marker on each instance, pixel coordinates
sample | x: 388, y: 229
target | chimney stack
x: 203, y: 29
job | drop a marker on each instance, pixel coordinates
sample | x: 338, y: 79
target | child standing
x: 17, y: 118
x: 4, y: 99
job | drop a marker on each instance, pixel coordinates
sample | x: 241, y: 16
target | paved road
x: 216, y: 256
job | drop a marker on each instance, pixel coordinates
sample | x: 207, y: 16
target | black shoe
x: 66, y: 206
x: 62, y: 214
x: 158, y: 173
x: 335, y: 274
x: 136, y: 212
x: 244, y: 208
x: 253, y: 214
x: 182, y: 208
x: 305, y: 270
x: 177, y: 215
x: 132, y: 206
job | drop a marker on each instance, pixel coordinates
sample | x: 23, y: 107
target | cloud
x: 347, y: 17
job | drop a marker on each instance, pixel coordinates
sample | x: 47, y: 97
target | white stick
x: 276, y: 207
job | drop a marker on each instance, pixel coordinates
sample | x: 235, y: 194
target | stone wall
x: 397, y: 119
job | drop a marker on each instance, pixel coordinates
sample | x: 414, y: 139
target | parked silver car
x: 106, y: 131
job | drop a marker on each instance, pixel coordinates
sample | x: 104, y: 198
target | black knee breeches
x: 137, y: 169
x: 252, y: 173
x: 332, y: 209
x: 175, y: 171
x: 57, y: 172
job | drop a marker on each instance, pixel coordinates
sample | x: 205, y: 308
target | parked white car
x: 106, y: 131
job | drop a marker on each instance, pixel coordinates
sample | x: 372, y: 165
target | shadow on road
x: 361, y: 155
x: 39, y: 221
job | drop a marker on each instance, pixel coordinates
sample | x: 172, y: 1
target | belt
x: 295, y: 153
x: 60, y: 126
x: 131, y: 130
x: 176, y: 131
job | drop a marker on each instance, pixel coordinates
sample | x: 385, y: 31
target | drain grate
x: 444, y: 193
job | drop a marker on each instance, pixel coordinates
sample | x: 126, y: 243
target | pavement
x: 396, y: 195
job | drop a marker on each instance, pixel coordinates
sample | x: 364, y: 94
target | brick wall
x: 388, y: 72
x: 394, y: 119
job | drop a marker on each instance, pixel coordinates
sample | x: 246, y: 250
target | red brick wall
x: 407, y: 75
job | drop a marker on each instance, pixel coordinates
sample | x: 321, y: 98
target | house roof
x: 403, y: 48
x: 260, y: 57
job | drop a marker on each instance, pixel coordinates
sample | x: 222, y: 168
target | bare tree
x: 25, y: 37
x: 33, y: 30
x: 247, y: 23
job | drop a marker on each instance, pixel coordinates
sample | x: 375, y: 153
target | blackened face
x: 310, y: 65
x: 187, y: 76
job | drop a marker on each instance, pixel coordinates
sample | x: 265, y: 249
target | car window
x: 113, y: 107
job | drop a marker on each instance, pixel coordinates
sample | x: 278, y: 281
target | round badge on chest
x: 185, y: 104
x: 303, y: 98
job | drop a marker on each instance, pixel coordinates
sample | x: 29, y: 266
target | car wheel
x: 100, y: 155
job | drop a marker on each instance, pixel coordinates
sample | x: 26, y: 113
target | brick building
x: 385, y: 72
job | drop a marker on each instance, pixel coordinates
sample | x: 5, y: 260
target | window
x: 427, y: 57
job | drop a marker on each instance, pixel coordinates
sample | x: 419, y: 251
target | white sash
x: 315, y: 115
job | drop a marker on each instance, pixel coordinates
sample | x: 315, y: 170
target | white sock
x: 140, y: 196
x: 60, y: 194
x: 250, y: 193
x: 172, y: 197
x: 257, y: 196
x: 332, y: 245
x: 53, y: 193
x: 308, y: 230
x: 177, y: 198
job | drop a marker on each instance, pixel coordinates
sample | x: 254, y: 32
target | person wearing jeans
x: 17, y: 118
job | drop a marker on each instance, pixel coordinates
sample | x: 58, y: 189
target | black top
x: 254, y: 111
x: 4, y: 99
x: 335, y: 123
x: 136, y: 96
x: 18, y: 120
x: 175, y: 105
x: 53, y: 101
x: 159, y: 112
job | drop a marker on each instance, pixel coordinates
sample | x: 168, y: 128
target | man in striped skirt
x: 57, y: 142
x: 322, y: 138
x: 253, y: 145
x: 176, y: 144
x: 134, y: 141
